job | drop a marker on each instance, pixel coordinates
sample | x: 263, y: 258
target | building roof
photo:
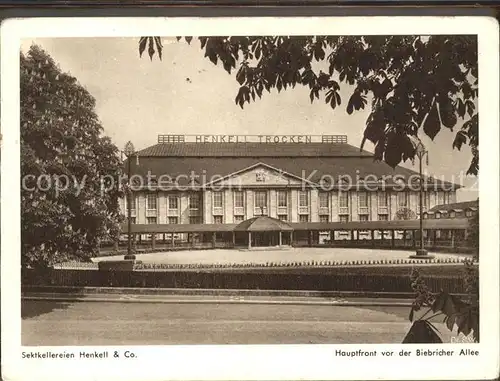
x: 262, y: 224
x: 313, y: 161
x: 190, y: 149
x: 457, y: 206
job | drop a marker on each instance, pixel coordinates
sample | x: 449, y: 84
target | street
x: 121, y: 323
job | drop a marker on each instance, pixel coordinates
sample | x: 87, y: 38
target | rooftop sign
x: 270, y: 139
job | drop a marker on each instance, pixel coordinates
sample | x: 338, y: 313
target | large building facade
x: 229, y: 179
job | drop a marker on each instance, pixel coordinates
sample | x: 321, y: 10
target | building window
x: 217, y: 219
x: 260, y: 199
x: 283, y: 217
x: 173, y: 202
x: 382, y: 199
x: 403, y: 199
x: 362, y: 200
x: 304, y: 218
x: 363, y: 217
x: 132, y: 220
x: 238, y: 197
x: 194, y: 219
x: 132, y: 202
x: 324, y: 218
x: 217, y: 199
x: 344, y: 218
x: 282, y: 199
x: 426, y: 216
x: 239, y: 218
x: 343, y: 200
x: 151, y: 220
x: 173, y: 220
x: 468, y: 213
x: 383, y: 217
x: 151, y: 201
x: 303, y: 199
x: 323, y: 200
x: 194, y: 201
x: 453, y: 214
x: 437, y: 215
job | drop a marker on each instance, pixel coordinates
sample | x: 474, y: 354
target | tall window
x: 343, y: 200
x: 403, y: 199
x: 283, y: 217
x: 362, y: 200
x: 425, y: 200
x: 173, y: 220
x: 151, y: 220
x: 173, y: 202
x: 238, y: 199
x: 282, y: 199
x: 151, y: 201
x: 323, y: 200
x: 382, y: 199
x: 303, y: 199
x: 363, y: 217
x: 383, y: 217
x: 324, y: 218
x: 194, y: 201
x: 217, y: 219
x: 217, y: 199
x: 304, y: 218
x: 260, y: 199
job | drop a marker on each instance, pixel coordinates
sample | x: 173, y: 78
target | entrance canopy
x: 262, y: 224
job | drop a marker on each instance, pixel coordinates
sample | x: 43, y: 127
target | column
x: 228, y: 206
x: 281, y: 239
x: 207, y: 207
x: 452, y: 239
x: 172, y: 240
x: 393, y: 205
x: 314, y: 205
x: 213, y: 240
x: 153, y: 241
x: 141, y: 208
x: 273, y: 204
x: 373, y: 203
x: 294, y: 202
x: 162, y: 208
x: 249, y: 200
x: 183, y: 208
x: 249, y: 240
x: 353, y: 203
x: 393, y: 238
x: 234, y: 239
x: 334, y: 202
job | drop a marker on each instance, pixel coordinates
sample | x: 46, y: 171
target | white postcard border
x: 252, y: 362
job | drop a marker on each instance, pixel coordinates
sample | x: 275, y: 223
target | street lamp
x: 421, y: 152
x: 129, y: 150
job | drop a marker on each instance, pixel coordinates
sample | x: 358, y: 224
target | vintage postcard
x: 250, y: 198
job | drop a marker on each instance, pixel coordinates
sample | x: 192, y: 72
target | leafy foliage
x: 405, y: 214
x: 61, y: 135
x: 464, y: 314
x: 412, y: 83
x: 473, y: 232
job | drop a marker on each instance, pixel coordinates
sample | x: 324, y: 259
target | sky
x: 138, y: 99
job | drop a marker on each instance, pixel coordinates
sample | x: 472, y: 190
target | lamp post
x: 129, y: 151
x: 421, y: 152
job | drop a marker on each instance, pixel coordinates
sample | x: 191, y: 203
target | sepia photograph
x: 263, y: 189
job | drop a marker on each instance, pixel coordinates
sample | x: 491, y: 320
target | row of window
x: 260, y: 200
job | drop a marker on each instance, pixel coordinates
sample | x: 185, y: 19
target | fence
x: 261, y: 279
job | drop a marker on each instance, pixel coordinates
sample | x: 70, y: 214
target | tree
x: 64, y: 213
x: 411, y: 82
x: 405, y: 214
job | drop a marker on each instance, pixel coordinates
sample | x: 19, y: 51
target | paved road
x: 101, y: 323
